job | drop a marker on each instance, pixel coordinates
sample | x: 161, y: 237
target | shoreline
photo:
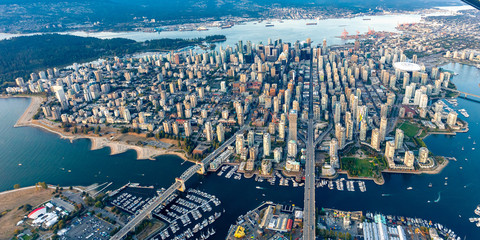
x: 240, y: 21
x: 50, y: 186
x: 32, y: 109
x: 437, y: 170
x: 116, y: 147
x: 375, y: 180
x: 144, y: 152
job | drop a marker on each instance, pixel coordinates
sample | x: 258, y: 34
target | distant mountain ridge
x: 49, y: 15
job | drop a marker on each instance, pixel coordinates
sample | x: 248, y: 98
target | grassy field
x: 12, y: 201
x: 367, y: 167
x: 423, y: 134
x: 409, y: 129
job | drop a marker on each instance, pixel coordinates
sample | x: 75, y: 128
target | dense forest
x: 22, y: 55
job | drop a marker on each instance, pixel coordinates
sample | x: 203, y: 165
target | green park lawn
x: 409, y: 129
x: 360, y: 167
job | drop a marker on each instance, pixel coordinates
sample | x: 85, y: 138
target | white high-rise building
x: 225, y: 113
x: 209, y: 131
x: 375, y: 141
x: 266, y: 144
x: 383, y: 129
x: 292, y: 125
x: 251, y: 138
x: 239, y: 139
x: 223, y: 86
x: 166, y: 127
x: 333, y: 147
x: 423, y: 100
x: 281, y: 130
x: 292, y: 148
x: 126, y: 115
x: 417, y: 97
x: 409, y: 159
x: 452, y: 118
x: 220, y: 133
x: 390, y: 150
x: 399, y: 138
x: 60, y: 94
x: 337, y: 113
x: 363, y: 130
x: 188, y: 128
x: 175, y: 128
x: 423, y: 155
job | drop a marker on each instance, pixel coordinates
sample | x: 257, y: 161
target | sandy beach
x: 116, y: 147
x: 31, y: 110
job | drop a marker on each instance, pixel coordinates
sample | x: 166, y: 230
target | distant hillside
x: 50, y: 15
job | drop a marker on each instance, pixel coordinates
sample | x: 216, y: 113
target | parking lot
x: 88, y: 227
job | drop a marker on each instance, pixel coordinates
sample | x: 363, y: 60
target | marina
x: 230, y: 171
x: 188, y: 216
x: 340, y: 186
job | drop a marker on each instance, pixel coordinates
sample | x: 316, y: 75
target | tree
x: 27, y: 207
x: 16, y: 186
x: 43, y: 185
x: 348, y: 236
x: 97, y: 130
x: 99, y: 204
x: 123, y: 130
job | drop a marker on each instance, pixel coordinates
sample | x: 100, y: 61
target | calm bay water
x: 45, y: 157
x: 288, y: 30
x: 29, y: 155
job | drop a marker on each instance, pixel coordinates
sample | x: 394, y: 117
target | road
x: 309, y: 200
x: 185, y: 177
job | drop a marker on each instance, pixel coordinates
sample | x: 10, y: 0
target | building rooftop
x: 407, y: 66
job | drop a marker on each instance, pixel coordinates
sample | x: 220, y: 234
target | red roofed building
x: 37, y: 212
x: 289, y: 224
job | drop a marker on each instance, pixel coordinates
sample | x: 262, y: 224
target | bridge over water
x: 178, y: 185
x: 465, y: 94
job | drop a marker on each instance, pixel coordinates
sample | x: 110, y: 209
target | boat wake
x: 438, y: 199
